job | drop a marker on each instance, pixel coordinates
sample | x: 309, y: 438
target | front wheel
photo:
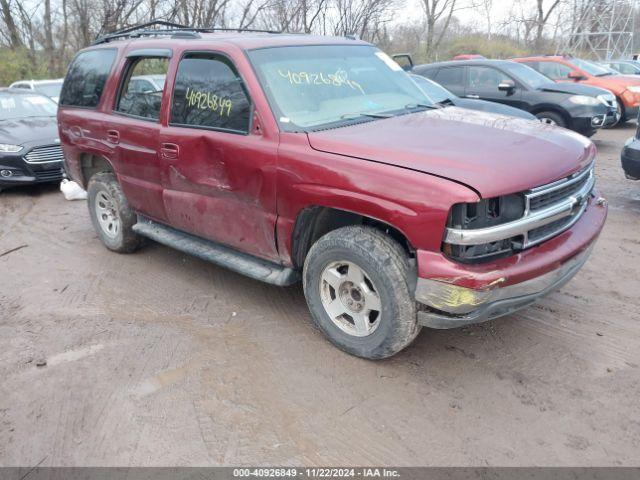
x: 357, y: 285
x: 551, y: 118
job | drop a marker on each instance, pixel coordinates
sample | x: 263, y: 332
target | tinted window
x: 138, y: 96
x: 209, y: 93
x: 86, y: 77
x: 450, y: 77
x: 486, y: 78
x: 555, y: 71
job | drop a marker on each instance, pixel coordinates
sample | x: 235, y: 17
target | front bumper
x: 454, y: 295
x: 16, y: 171
x: 630, y: 157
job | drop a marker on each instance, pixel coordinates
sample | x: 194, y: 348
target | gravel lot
x: 158, y: 358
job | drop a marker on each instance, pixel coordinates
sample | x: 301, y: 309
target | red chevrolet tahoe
x: 295, y: 157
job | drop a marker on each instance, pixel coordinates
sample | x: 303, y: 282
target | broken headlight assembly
x: 486, y: 213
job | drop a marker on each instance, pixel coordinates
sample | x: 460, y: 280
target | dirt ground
x: 158, y: 358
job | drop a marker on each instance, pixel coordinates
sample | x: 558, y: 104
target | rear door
x: 483, y: 81
x: 133, y: 130
x: 218, y: 165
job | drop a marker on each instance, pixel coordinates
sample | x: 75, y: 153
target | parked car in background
x: 580, y: 108
x: 296, y: 157
x: 626, y: 67
x: 50, y: 88
x: 630, y: 156
x: 469, y: 56
x: 440, y: 95
x: 147, y: 83
x: 29, y: 144
x: 561, y: 68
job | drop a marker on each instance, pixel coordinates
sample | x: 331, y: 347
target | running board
x: 239, y: 262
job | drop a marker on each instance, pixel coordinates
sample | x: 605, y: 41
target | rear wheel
x: 551, y: 118
x: 110, y: 214
x: 356, y: 282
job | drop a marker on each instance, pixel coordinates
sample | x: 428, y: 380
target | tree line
x: 39, y: 37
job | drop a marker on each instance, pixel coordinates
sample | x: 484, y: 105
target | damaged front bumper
x: 461, y: 306
x: 450, y: 294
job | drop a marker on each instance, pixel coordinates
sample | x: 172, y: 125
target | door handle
x: 169, y: 151
x: 113, y: 136
x: 472, y: 95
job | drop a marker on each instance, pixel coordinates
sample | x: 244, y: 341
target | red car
x: 293, y: 157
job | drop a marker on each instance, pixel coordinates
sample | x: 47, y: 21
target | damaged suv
x: 294, y: 157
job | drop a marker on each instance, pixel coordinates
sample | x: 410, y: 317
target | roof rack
x: 176, y: 30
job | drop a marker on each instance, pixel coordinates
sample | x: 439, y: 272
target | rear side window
x: 209, y: 93
x: 86, y: 78
x: 450, y: 77
x: 141, y: 92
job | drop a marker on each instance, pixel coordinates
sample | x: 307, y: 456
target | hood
x: 22, y: 131
x: 574, y: 89
x: 492, y: 154
x: 620, y: 80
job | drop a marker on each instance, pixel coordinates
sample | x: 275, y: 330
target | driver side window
x: 486, y: 78
x: 555, y: 71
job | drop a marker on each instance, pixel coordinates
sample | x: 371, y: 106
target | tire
x: 551, y: 118
x: 390, y: 323
x: 111, y: 215
x: 622, y: 119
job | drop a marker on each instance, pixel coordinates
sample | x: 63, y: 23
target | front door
x: 218, y: 164
x: 483, y: 82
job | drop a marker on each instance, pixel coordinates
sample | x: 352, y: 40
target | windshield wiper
x: 413, y: 106
x: 365, y: 114
x: 446, y: 102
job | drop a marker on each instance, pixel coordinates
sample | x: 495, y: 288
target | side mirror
x: 404, y: 60
x: 575, y: 75
x: 506, y: 86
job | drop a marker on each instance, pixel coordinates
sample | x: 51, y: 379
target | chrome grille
x: 48, y: 154
x: 572, y: 191
x: 542, y: 197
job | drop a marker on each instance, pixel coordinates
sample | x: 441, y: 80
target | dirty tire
x: 385, y: 263
x: 125, y: 240
x: 551, y: 118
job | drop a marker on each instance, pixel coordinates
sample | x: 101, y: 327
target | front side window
x: 86, y: 78
x: 209, y: 93
x: 320, y: 86
x: 486, y: 78
x: 554, y: 70
x: 138, y: 96
x: 591, y: 68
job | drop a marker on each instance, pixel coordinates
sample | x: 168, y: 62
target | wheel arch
x: 90, y: 164
x: 545, y: 107
x: 314, y: 221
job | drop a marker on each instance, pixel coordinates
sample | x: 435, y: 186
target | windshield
x: 50, y: 89
x: 21, y: 106
x: 591, y: 68
x: 526, y: 75
x: 312, y: 87
x: 434, y: 91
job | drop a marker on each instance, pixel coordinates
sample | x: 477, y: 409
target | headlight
x: 608, y: 100
x: 634, y: 89
x: 584, y: 100
x: 485, y: 213
x: 7, y: 148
